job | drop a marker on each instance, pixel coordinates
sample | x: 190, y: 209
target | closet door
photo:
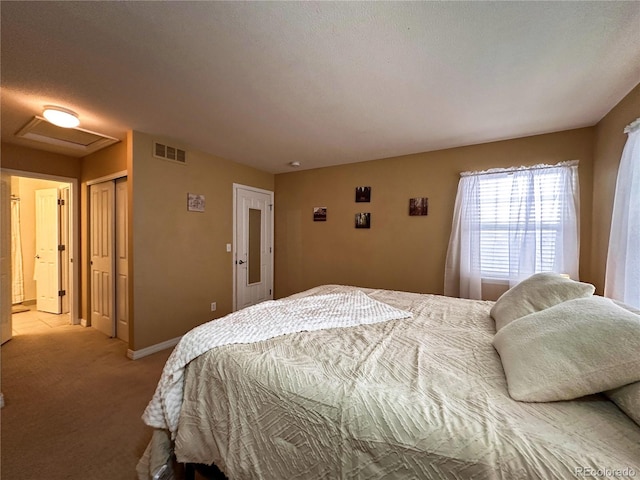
x: 122, y: 260
x: 102, y: 257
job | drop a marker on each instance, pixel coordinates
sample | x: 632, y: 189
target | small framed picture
x: 363, y: 194
x: 195, y: 202
x: 319, y: 214
x: 363, y: 220
x: 418, y: 206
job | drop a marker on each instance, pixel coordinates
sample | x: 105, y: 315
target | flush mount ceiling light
x: 62, y: 117
x: 294, y: 164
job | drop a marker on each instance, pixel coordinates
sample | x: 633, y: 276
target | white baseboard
x: 158, y: 347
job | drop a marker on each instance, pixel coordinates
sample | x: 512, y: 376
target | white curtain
x: 462, y: 277
x: 17, y: 275
x: 511, y: 223
x: 622, y: 281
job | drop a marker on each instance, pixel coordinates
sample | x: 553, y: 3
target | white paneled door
x: 47, y: 264
x: 122, y: 260
x: 253, y: 246
x: 102, y: 257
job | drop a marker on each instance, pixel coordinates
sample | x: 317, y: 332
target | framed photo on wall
x: 363, y: 220
x: 363, y: 194
x: 418, y: 206
x: 319, y: 214
x: 195, y: 202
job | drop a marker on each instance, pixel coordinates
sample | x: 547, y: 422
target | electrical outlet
x: 213, y: 306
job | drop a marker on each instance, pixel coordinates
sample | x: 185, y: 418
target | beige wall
x: 15, y: 157
x: 610, y: 140
x: 399, y: 252
x: 104, y: 162
x: 180, y: 262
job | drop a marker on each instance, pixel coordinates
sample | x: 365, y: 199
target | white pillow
x: 575, y: 348
x: 539, y: 291
x: 628, y: 400
x: 628, y: 397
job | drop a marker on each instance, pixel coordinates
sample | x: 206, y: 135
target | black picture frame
x: 319, y: 214
x: 419, y: 206
x: 363, y: 220
x: 363, y: 194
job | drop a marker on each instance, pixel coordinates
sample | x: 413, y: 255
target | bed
x: 420, y: 395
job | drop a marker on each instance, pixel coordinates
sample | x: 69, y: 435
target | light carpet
x: 73, y: 402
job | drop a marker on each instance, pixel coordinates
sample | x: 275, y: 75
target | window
x: 527, y: 208
x: 510, y: 224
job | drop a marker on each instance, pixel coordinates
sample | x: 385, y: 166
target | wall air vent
x: 77, y: 141
x: 167, y: 152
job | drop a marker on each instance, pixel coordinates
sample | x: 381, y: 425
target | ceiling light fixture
x: 62, y: 117
x: 294, y: 164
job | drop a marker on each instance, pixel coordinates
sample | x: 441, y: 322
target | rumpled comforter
x: 419, y: 398
x: 256, y: 323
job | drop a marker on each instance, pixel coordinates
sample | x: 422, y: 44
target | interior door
x: 102, y: 240
x: 254, y: 247
x: 5, y: 259
x: 47, y: 265
x: 122, y: 261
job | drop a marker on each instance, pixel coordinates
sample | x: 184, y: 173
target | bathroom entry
x: 40, y: 244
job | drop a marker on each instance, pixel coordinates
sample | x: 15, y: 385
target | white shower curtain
x: 16, y: 254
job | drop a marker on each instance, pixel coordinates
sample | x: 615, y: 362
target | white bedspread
x: 423, y: 398
x: 260, y: 322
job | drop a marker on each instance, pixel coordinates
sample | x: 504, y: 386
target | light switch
x: 228, y: 247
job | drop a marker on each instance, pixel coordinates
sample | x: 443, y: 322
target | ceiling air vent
x: 76, y: 140
x: 167, y: 152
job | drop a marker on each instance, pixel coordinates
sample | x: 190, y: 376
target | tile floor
x: 34, y: 321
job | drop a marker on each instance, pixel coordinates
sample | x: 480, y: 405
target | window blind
x: 528, y: 207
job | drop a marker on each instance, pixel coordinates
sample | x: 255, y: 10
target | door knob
x: 240, y: 262
x: 37, y: 257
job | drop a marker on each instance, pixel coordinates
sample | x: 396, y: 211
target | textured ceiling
x: 322, y: 83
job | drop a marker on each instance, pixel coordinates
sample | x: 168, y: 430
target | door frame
x: 107, y: 178
x: 6, y: 262
x: 234, y: 249
x: 74, y: 238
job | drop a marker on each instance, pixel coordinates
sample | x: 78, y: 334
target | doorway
x: 40, y: 239
x: 252, y: 246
